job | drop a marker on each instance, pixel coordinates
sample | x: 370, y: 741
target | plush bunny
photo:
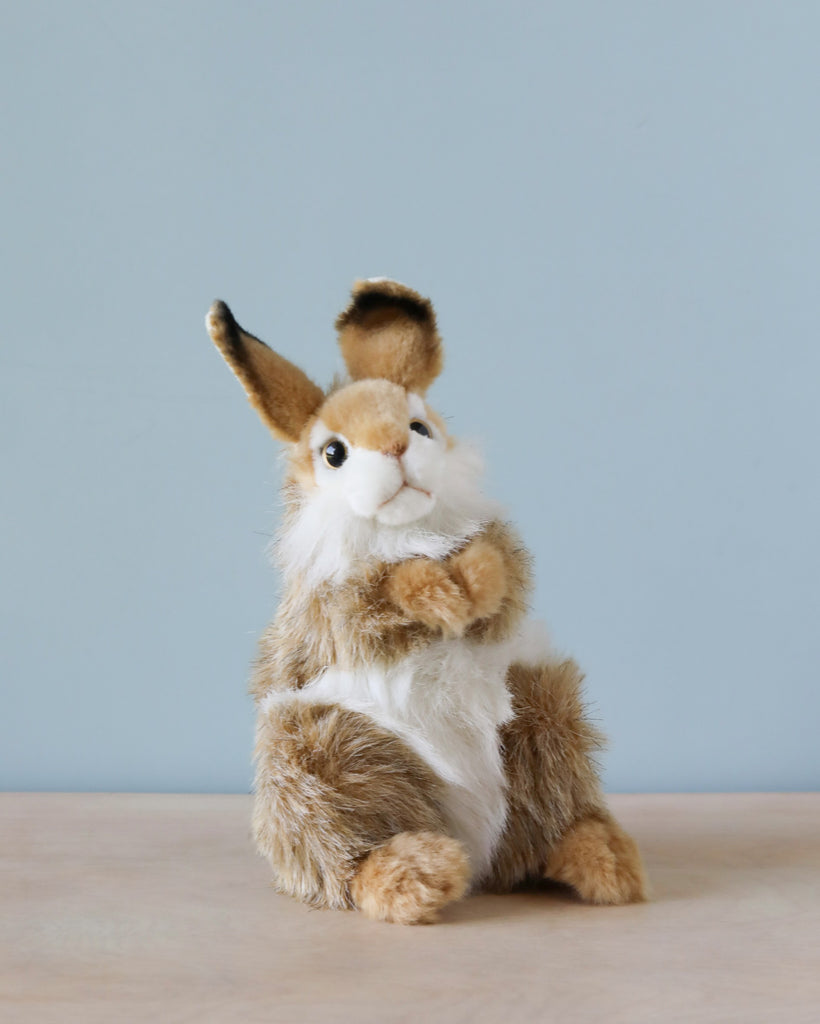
x: 416, y: 736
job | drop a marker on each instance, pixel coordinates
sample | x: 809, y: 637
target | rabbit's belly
x: 446, y: 702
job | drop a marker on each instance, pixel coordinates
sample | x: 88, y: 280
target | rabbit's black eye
x: 420, y: 428
x: 334, y: 453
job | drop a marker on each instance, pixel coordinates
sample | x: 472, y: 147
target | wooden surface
x: 155, y: 908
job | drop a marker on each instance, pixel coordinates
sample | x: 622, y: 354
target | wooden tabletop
x: 156, y: 908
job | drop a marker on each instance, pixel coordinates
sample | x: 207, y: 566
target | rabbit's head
x: 370, y: 461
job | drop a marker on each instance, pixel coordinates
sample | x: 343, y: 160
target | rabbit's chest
x: 446, y: 702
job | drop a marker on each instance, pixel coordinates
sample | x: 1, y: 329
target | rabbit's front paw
x: 427, y: 593
x: 411, y: 877
x: 481, y: 571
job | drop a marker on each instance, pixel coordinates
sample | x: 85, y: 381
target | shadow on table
x: 680, y: 868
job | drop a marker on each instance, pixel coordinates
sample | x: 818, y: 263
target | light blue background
x: 614, y: 207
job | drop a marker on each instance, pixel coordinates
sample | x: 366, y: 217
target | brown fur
x: 389, y: 331
x: 301, y: 475
x: 549, y: 748
x: 281, y: 393
x: 600, y: 861
x: 557, y: 822
x: 481, y: 573
x: 378, y: 614
x: 371, y: 414
x: 331, y: 787
x: 517, y: 586
x: 465, y: 590
x: 427, y: 592
x: 410, y: 878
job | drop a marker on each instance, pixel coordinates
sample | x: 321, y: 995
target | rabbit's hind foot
x: 600, y: 861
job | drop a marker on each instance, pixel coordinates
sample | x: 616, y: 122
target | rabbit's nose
x: 398, y: 449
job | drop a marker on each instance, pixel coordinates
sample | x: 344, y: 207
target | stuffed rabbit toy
x: 416, y: 737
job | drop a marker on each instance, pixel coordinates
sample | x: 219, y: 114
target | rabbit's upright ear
x: 389, y: 331
x: 281, y: 393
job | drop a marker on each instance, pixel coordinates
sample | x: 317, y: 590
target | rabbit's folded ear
x: 389, y: 331
x: 281, y: 393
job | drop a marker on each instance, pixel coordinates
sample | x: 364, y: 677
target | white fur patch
x: 330, y: 533
x: 446, y: 702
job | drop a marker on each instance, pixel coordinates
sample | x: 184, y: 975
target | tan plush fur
x: 410, y: 878
x: 452, y: 595
x: 370, y: 413
x: 347, y: 812
x: 280, y: 392
x: 330, y: 788
x: 600, y: 861
x: 554, y: 792
x: 428, y: 593
x: 385, y: 611
x: 389, y: 331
